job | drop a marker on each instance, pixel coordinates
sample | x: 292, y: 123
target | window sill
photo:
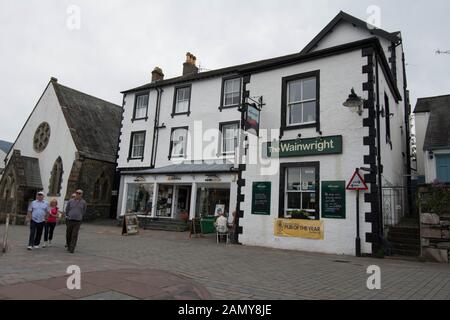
x: 176, y: 157
x: 228, y: 107
x: 131, y: 159
x: 299, y: 126
x: 138, y: 119
x: 180, y: 114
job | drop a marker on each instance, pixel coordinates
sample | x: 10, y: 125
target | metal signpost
x: 357, y: 183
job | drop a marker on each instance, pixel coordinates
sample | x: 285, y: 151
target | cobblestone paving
x: 227, y: 271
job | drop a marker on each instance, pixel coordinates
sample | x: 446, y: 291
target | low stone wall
x: 17, y: 219
x: 435, y: 237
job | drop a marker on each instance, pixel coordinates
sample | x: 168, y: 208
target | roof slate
x: 93, y: 123
x: 185, y: 168
x: 5, y: 146
x: 438, y: 131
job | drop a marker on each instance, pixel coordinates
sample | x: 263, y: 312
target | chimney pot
x: 157, y: 74
x: 189, y: 66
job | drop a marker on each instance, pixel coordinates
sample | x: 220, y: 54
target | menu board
x: 333, y: 199
x: 261, y: 198
x: 130, y: 224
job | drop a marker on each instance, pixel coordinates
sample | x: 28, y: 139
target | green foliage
x: 437, y: 200
x: 300, y: 214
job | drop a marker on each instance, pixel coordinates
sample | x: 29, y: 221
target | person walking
x: 37, y: 212
x: 50, y: 224
x: 75, y: 210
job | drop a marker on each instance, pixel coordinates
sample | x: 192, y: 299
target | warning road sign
x: 357, y: 182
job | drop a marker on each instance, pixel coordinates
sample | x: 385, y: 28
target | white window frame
x: 302, y: 101
x: 173, y: 143
x: 225, y: 93
x: 178, y: 101
x: 300, y: 191
x: 223, y: 127
x: 143, y: 108
x: 135, y: 146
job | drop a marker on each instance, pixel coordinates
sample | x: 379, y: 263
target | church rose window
x: 41, y: 137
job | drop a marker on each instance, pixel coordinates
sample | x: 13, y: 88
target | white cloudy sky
x: 120, y: 42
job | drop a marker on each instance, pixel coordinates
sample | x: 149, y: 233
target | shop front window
x: 211, y: 201
x: 139, y: 198
x: 164, y: 205
x: 301, y: 192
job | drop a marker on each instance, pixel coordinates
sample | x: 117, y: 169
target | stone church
x: 68, y: 142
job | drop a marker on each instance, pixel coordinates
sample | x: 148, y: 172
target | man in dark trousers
x: 75, y: 210
x: 37, y: 213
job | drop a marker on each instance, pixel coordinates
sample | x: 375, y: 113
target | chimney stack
x: 189, y: 66
x: 157, y: 74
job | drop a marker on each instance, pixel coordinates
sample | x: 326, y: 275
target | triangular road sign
x: 357, y: 182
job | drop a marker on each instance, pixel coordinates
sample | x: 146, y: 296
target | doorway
x: 183, y: 201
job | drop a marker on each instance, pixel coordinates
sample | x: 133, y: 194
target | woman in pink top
x: 50, y: 224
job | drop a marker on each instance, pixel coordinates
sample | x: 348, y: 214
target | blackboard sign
x: 261, y: 198
x: 130, y: 224
x: 333, y: 199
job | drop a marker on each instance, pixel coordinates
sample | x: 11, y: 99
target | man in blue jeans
x: 37, y: 212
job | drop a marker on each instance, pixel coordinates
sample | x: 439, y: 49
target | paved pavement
x: 226, y: 271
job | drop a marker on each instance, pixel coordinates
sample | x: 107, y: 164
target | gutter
x: 156, y: 127
x: 379, y: 165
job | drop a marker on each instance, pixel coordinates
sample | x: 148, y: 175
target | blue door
x: 443, y: 167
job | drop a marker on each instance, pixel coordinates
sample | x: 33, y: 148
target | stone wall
x: 435, y: 236
x: 84, y: 175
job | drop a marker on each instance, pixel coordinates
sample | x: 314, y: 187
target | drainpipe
x: 408, y: 137
x: 379, y: 165
x: 156, y: 127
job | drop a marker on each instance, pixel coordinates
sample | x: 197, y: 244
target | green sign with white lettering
x: 261, y: 198
x: 333, y: 199
x: 305, y: 147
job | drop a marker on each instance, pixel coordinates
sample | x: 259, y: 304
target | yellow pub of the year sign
x: 299, y: 229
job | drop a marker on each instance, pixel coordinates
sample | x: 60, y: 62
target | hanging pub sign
x: 130, y: 224
x: 333, y: 199
x: 305, y: 147
x: 261, y: 194
x: 251, y: 118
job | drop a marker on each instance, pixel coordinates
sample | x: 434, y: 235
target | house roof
x: 437, y: 135
x: 186, y: 168
x: 32, y: 173
x: 268, y: 64
x: 5, y: 146
x: 93, y: 123
x: 342, y: 16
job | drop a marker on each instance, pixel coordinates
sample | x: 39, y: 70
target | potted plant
x: 299, y: 214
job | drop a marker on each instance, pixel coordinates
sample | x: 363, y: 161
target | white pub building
x: 277, y: 141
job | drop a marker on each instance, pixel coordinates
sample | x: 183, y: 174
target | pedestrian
x: 37, y: 212
x: 75, y: 210
x: 50, y: 224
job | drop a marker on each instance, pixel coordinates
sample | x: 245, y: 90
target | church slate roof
x: 93, y: 123
x: 438, y: 130
x: 5, y: 146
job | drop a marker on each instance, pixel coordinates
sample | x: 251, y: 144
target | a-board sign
x: 357, y: 182
x: 333, y: 199
x: 261, y: 194
x: 130, y: 224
